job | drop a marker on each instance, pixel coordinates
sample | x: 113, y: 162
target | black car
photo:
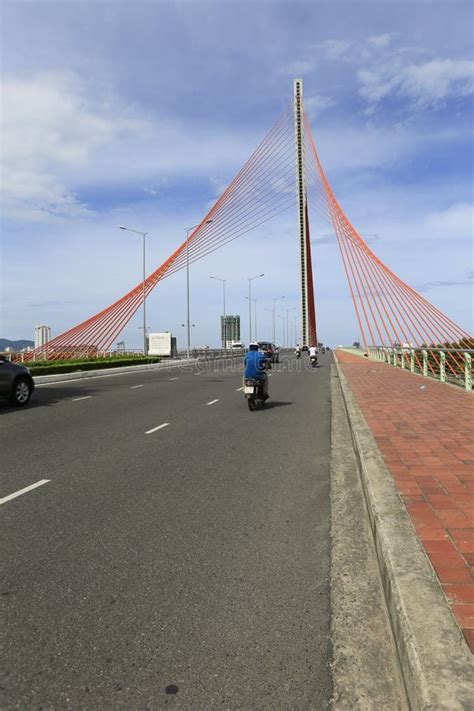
x: 16, y: 383
x: 271, y: 351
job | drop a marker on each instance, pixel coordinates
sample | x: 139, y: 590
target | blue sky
x: 140, y: 113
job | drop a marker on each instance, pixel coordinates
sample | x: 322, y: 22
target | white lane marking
x: 160, y: 427
x: 197, y: 373
x: 84, y: 397
x: 132, y: 387
x: 239, y: 389
x: 23, y: 491
x: 173, y: 378
x: 212, y: 402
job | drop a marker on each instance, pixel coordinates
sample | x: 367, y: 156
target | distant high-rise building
x: 230, y: 330
x: 42, y: 335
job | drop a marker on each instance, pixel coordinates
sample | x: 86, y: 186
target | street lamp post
x: 223, y: 307
x: 143, y: 234
x: 284, y: 326
x: 250, y: 280
x: 288, y: 335
x: 277, y: 298
x: 254, y: 317
x: 188, y: 317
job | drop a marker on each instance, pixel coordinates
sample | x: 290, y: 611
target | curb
x: 108, y: 372
x: 79, y: 374
x: 435, y: 662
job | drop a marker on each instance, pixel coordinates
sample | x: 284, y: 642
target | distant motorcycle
x: 313, y: 361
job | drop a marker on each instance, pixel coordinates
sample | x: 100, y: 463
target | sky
x: 140, y: 113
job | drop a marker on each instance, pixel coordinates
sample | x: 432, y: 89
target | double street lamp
x: 250, y: 280
x: 277, y: 298
x: 143, y: 234
x: 223, y: 281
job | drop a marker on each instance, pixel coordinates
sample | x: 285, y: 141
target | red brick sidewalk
x: 424, y: 432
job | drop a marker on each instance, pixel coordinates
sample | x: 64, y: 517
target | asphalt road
x: 186, y: 566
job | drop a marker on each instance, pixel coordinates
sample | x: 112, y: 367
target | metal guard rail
x: 405, y: 359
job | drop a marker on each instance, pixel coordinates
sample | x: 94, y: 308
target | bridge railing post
x: 442, y: 367
x: 467, y: 372
x: 402, y: 356
x: 395, y: 357
x: 425, y: 362
x: 412, y: 360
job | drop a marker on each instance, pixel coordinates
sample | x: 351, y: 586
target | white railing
x: 430, y: 362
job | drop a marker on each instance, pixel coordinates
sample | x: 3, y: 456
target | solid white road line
x: 23, y: 491
x: 135, y: 386
x: 160, y: 427
x: 239, y: 389
x: 212, y: 402
x: 85, y: 397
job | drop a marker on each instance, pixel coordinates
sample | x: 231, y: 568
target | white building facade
x: 42, y: 335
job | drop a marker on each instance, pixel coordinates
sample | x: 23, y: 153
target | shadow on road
x: 276, y: 403
x: 46, y: 397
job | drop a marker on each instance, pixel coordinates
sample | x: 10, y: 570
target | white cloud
x: 297, y: 68
x: 379, y: 41
x: 59, y: 136
x: 424, y: 84
x: 333, y: 50
x: 48, y: 131
x: 317, y: 103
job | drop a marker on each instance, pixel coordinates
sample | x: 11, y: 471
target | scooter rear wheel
x: 251, y: 403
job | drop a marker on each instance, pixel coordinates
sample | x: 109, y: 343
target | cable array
x: 261, y: 190
x: 389, y: 312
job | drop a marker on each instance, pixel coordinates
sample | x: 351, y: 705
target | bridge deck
x: 424, y: 432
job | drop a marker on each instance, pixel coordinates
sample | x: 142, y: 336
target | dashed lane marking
x: 24, y: 491
x: 160, y: 427
x: 132, y: 387
x: 173, y: 378
x: 239, y: 389
x: 84, y: 397
x: 212, y: 402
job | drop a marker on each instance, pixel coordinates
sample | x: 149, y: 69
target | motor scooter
x: 313, y: 361
x: 253, y: 391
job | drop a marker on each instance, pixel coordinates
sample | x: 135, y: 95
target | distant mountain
x: 16, y: 345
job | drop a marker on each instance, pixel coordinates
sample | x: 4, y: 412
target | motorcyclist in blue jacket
x: 256, y: 364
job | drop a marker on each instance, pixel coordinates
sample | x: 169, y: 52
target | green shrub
x: 51, y: 367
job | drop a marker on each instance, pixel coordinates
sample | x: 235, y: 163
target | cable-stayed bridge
x: 388, y: 311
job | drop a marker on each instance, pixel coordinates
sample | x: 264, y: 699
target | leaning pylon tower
x: 308, y: 311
